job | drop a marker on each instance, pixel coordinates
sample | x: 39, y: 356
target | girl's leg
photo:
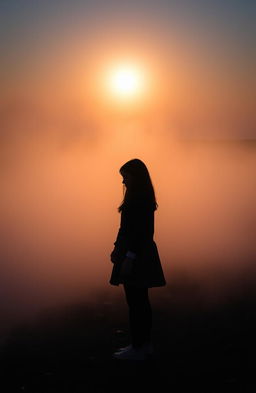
x: 140, y: 315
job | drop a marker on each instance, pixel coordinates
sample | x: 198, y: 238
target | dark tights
x: 140, y: 314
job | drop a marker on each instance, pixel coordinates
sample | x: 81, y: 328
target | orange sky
x: 199, y: 68
x: 64, y: 138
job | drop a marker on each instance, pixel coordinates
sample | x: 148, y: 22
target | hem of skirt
x: 136, y: 284
x: 114, y: 283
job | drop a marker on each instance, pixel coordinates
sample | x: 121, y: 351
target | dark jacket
x: 136, y: 235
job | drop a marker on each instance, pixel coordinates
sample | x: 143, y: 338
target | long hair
x: 141, y: 189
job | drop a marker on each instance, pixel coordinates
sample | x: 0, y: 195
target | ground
x: 203, y: 349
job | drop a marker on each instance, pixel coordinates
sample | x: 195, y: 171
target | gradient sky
x: 63, y: 139
x: 200, y: 53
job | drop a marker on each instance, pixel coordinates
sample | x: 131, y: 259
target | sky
x: 199, y: 57
x: 64, y: 136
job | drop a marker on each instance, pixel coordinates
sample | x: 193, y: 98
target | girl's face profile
x: 126, y: 179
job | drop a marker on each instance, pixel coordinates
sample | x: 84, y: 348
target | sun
x: 126, y: 81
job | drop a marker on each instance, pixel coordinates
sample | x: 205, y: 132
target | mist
x: 61, y: 188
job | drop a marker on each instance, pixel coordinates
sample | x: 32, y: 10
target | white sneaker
x: 148, y: 348
x: 125, y: 348
x: 131, y: 354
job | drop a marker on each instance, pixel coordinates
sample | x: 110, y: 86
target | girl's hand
x: 126, y: 268
x: 114, y: 256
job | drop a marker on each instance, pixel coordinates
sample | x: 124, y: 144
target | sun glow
x: 126, y: 82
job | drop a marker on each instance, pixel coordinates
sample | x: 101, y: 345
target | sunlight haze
x: 89, y: 85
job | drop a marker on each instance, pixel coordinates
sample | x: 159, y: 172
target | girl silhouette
x: 135, y: 257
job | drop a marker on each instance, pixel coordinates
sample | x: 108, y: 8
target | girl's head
x: 138, y: 184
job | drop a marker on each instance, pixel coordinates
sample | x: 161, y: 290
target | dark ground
x: 198, y: 348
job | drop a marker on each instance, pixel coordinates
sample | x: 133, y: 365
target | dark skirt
x: 147, y: 270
